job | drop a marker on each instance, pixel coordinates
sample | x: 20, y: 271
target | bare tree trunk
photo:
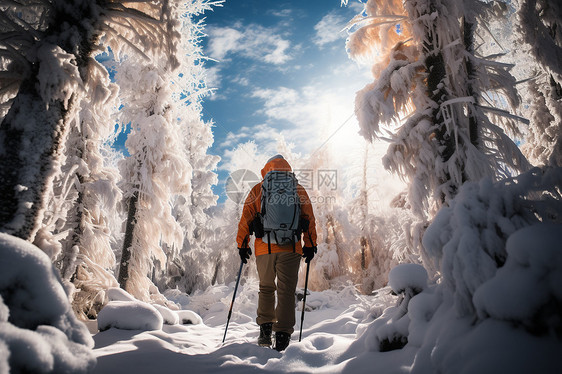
x: 436, y: 91
x: 128, y: 241
x: 468, y: 36
x: 363, y: 252
x: 218, y: 265
x: 364, y: 201
x: 68, y: 263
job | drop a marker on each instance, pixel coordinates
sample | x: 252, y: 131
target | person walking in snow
x: 279, y: 213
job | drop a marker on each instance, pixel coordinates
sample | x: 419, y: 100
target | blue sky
x: 281, y: 69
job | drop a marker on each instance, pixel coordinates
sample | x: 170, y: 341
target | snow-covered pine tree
x: 540, y: 36
x: 153, y: 175
x: 467, y: 240
x: 58, y: 100
x: 192, y: 211
x: 331, y: 265
x: 158, y: 172
x: 363, y: 203
x: 47, y: 54
x: 215, y: 259
x: 431, y: 90
x: 84, y: 205
x: 374, y: 229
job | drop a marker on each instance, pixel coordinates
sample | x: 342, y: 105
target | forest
x: 466, y: 95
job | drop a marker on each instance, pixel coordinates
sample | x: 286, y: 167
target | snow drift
x: 497, y: 305
x: 129, y: 315
x: 39, y: 333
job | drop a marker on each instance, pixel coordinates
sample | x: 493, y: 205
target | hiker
x: 279, y: 214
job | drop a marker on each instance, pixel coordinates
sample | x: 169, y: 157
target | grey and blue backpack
x: 280, y: 209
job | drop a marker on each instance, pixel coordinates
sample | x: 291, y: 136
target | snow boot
x: 264, y: 339
x: 282, y: 340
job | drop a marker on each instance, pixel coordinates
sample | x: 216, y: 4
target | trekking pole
x: 232, y: 302
x: 304, y: 297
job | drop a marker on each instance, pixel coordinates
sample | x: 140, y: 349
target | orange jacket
x: 252, y: 206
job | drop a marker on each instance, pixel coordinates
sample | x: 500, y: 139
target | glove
x: 308, y: 253
x: 244, y: 254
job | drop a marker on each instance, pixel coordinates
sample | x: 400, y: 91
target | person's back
x: 279, y: 213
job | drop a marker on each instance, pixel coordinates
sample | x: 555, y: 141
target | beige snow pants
x: 284, y: 266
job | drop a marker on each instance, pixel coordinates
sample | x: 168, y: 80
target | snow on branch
x: 468, y: 238
x: 428, y: 92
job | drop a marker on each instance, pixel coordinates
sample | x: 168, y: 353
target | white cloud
x: 275, y: 98
x: 277, y: 54
x: 213, y: 77
x: 282, y: 13
x: 258, y: 43
x: 213, y: 80
x: 307, y: 115
x: 310, y: 108
x: 317, y: 121
x: 329, y: 29
x: 252, y: 41
x: 261, y: 133
x: 222, y: 41
x: 243, y: 81
x: 230, y: 140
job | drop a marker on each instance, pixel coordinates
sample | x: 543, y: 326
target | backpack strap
x: 294, y: 243
x: 295, y: 236
x: 297, y: 206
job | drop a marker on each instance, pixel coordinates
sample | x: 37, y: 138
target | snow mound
x: 528, y: 285
x: 388, y: 332
x: 187, y: 317
x: 119, y: 294
x: 130, y: 315
x: 408, y: 276
x: 39, y: 333
x: 497, y: 308
x: 169, y: 316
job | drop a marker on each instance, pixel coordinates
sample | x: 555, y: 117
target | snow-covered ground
x: 328, y: 343
x: 342, y: 334
x: 421, y: 330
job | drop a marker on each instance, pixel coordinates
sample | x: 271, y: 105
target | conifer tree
x: 167, y: 139
x: 48, y: 54
x: 427, y: 90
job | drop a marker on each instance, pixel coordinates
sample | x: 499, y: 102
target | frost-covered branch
x: 427, y: 89
x: 168, y: 177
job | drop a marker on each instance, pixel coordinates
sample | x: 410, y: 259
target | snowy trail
x: 344, y: 332
x: 329, y: 339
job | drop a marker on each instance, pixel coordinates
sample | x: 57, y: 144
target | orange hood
x: 275, y: 163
